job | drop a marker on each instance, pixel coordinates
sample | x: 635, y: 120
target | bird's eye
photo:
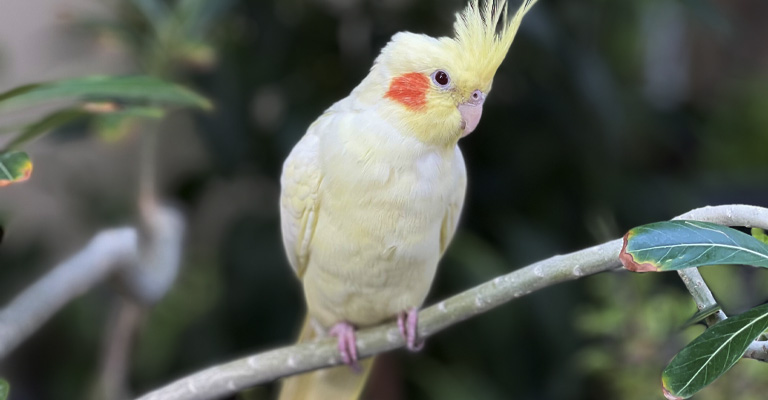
x: 441, y: 78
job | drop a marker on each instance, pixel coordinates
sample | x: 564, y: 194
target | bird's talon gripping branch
x: 345, y: 333
x: 408, y: 322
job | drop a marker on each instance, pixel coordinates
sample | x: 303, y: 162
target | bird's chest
x: 376, y: 244
x: 377, y: 241
x: 400, y: 199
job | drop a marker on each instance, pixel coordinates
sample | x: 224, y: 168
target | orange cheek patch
x: 409, y: 90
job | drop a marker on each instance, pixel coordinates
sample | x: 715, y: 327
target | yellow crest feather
x: 477, y: 33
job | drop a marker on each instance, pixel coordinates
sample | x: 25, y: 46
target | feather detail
x: 477, y: 33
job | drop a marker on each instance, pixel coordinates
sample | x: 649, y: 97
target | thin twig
x: 36, y: 304
x: 121, y: 329
x: 158, y: 254
x: 147, y: 199
x: 232, y: 377
x: 757, y: 350
x: 701, y: 294
x: 148, y: 270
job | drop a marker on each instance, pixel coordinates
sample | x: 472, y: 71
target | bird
x: 372, y: 193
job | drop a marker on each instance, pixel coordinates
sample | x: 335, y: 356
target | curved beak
x: 471, y: 111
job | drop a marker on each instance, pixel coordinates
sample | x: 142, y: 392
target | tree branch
x: 159, y: 253
x: 115, y: 362
x: 232, y: 377
x: 148, y: 269
x: 699, y: 290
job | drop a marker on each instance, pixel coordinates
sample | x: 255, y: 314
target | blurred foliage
x: 5, y: 389
x: 129, y: 89
x: 596, y: 123
x: 630, y: 338
x: 110, y: 103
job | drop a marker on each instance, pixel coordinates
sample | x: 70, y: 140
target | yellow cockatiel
x: 372, y: 193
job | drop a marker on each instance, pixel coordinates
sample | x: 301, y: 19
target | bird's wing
x: 455, y: 202
x: 299, y: 201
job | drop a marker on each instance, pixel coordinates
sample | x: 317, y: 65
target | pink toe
x: 347, y: 343
x: 413, y: 328
x: 352, y: 345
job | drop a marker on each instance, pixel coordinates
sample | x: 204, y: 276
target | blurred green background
x: 605, y: 115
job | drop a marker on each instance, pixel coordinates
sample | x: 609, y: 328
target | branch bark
x: 232, y: 377
x: 148, y: 267
x: 699, y: 290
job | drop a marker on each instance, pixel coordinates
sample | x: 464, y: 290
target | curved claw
x: 408, y: 322
x: 345, y: 333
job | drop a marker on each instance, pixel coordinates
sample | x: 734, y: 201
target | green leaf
x: 702, y: 315
x: 673, y: 245
x: 713, y: 353
x: 18, y: 91
x: 15, y: 166
x: 759, y: 234
x: 129, y: 89
x: 5, y: 389
x: 113, y: 126
x: 106, y: 111
x: 139, y: 112
x: 46, y: 124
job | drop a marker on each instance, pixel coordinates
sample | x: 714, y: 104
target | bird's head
x: 434, y: 88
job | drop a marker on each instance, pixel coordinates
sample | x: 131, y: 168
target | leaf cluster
x: 676, y: 245
x: 112, y: 103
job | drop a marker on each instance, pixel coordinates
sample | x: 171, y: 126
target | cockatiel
x: 372, y: 193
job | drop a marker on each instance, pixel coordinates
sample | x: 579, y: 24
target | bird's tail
x: 340, y: 382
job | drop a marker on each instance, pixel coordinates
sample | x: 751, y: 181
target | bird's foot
x: 345, y: 333
x: 408, y: 322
